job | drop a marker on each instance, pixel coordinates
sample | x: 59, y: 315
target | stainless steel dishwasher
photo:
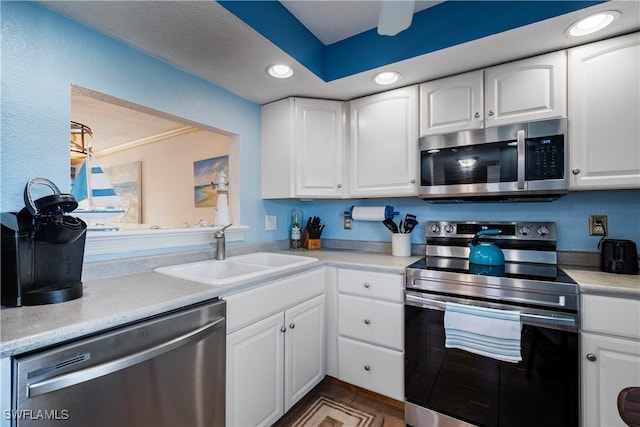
x: 163, y: 371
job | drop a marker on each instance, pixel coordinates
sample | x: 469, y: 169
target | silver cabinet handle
x: 367, y: 367
x: 591, y: 357
x: 476, y: 115
x: 491, y: 112
x: 283, y: 329
x: 366, y: 285
x: 413, y: 181
x: 367, y: 321
x: 292, y: 325
x: 84, y: 375
x: 339, y: 185
x: 576, y: 171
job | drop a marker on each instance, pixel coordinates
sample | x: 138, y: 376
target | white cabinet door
x: 452, y: 104
x: 304, y: 349
x: 609, y: 365
x: 255, y: 373
x: 278, y: 157
x: 383, y: 154
x: 604, y: 106
x: 319, y: 145
x: 303, y: 148
x: 527, y: 90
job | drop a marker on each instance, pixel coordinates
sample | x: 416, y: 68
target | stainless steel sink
x: 235, y: 269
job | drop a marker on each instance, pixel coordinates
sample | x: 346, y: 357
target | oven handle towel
x: 485, y: 331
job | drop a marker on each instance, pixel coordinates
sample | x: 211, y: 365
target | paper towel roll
x: 371, y: 213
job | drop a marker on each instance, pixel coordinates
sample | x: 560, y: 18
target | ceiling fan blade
x: 395, y: 16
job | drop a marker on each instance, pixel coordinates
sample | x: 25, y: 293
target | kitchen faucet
x: 220, y: 242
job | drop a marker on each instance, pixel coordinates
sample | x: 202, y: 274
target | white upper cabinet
x: 452, y: 104
x: 522, y: 91
x: 384, y: 144
x: 604, y: 113
x: 303, y: 148
x: 527, y: 90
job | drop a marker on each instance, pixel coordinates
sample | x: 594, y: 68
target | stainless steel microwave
x: 525, y: 160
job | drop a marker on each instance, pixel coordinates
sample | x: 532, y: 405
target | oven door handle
x: 525, y: 317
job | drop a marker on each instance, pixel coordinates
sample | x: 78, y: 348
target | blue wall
x: 569, y: 212
x: 43, y: 54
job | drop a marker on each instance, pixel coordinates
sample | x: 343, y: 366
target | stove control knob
x: 524, y: 230
x: 448, y: 228
x: 435, y: 228
x: 543, y: 230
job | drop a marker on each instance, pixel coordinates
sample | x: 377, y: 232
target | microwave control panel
x: 545, y: 158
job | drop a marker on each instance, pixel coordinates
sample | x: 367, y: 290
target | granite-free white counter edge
x: 596, y: 282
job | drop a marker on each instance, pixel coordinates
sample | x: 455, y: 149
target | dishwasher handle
x: 73, y: 378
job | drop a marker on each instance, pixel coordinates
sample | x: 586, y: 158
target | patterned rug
x: 326, y: 412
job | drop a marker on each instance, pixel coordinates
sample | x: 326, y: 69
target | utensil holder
x: 309, y: 243
x: 401, y: 244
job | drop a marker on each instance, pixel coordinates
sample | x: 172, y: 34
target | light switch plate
x: 270, y: 222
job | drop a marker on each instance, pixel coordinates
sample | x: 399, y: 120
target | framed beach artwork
x: 204, y: 173
x: 125, y: 180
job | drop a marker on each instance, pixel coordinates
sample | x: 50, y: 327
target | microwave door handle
x: 521, y: 158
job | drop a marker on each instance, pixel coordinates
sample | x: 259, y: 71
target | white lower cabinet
x: 370, y: 331
x: 611, y: 356
x: 275, y: 348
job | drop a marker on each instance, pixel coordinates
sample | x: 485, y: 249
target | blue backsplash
x: 570, y: 213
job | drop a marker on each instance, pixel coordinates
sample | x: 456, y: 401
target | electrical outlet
x: 598, y: 225
x: 347, y: 222
x: 270, y: 222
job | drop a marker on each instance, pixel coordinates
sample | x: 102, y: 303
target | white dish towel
x: 485, y: 331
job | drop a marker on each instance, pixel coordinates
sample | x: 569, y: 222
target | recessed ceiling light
x: 280, y: 71
x: 592, y: 23
x: 386, y: 77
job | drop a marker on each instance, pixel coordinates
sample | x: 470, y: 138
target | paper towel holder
x: 389, y: 212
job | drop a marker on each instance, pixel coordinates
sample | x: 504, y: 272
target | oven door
x: 452, y: 387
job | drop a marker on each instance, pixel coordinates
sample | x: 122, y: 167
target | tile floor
x: 390, y: 410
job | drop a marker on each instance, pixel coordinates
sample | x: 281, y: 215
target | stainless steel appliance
x: 515, y: 161
x: 164, y: 371
x: 452, y: 387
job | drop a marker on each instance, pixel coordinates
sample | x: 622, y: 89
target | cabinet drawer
x: 371, y: 284
x: 247, y: 307
x: 610, y: 315
x: 373, y: 368
x: 377, y: 322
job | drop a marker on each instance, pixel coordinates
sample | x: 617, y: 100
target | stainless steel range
x: 448, y: 386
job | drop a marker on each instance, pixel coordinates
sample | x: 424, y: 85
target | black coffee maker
x: 42, y: 249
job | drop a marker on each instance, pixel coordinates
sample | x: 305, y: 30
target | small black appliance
x: 619, y: 256
x: 42, y: 249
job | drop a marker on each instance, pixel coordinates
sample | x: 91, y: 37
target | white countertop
x: 594, y: 281
x: 112, y: 302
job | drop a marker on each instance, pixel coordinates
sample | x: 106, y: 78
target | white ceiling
x: 204, y: 39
